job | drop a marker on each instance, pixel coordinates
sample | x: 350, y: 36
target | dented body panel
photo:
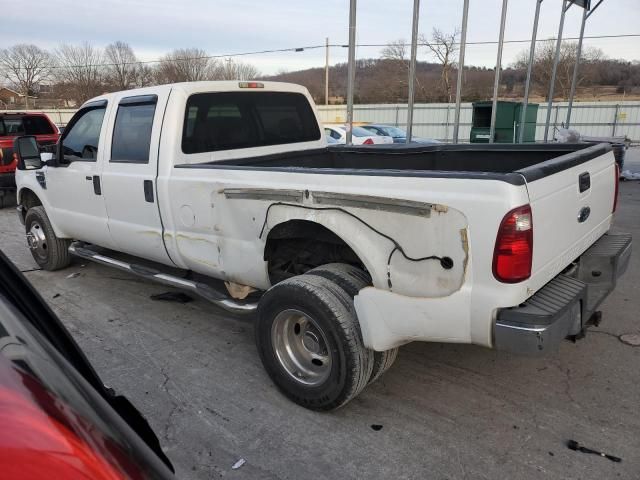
x: 426, y: 236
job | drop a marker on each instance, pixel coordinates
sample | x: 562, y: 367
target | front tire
x: 49, y: 252
x: 310, y: 343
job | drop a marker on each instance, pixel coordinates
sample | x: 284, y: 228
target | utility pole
x: 412, y: 68
x: 532, y: 54
x: 326, y: 73
x: 351, y: 71
x: 496, y: 80
x: 463, y: 43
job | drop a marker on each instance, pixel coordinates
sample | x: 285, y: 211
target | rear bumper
x: 565, y: 305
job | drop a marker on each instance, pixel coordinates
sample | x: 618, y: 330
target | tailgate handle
x: 584, y: 182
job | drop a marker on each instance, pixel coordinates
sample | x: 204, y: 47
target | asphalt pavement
x: 445, y: 411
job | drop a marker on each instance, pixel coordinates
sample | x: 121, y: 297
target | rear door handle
x: 97, y: 189
x: 148, y: 191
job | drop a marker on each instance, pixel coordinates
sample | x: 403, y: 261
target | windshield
x: 393, y: 131
x: 361, y: 132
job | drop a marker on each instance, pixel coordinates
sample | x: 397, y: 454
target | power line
x: 494, y: 42
x: 315, y: 47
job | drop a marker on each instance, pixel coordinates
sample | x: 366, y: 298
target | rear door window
x: 132, y: 130
x: 231, y: 120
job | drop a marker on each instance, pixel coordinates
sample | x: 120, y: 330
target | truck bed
x: 512, y: 163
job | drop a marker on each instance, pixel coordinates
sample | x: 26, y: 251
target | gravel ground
x: 446, y: 411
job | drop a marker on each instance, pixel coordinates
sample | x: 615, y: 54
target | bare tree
x: 232, y: 70
x: 25, y: 66
x: 80, y: 71
x: 444, y: 47
x: 395, y: 50
x: 186, y: 65
x: 121, y: 71
x: 543, y: 66
x: 144, y: 75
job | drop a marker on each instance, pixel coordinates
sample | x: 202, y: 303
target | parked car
x: 58, y: 418
x: 398, y: 135
x: 13, y: 125
x: 360, y: 136
x: 353, y: 251
x: 330, y: 139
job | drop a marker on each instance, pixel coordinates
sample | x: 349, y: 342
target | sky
x: 220, y: 27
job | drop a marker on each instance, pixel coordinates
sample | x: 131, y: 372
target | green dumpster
x: 507, y: 122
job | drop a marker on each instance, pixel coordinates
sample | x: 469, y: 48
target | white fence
x: 435, y: 120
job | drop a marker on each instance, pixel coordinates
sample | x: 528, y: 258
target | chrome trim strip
x: 264, y: 194
x: 528, y: 329
x: 407, y: 207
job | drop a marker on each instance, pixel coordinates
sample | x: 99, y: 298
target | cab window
x: 81, y: 138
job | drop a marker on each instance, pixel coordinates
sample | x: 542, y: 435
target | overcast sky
x: 153, y: 27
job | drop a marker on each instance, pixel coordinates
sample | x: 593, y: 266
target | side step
x: 198, y: 288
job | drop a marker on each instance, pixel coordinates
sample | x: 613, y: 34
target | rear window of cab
x: 13, y: 125
x: 231, y: 120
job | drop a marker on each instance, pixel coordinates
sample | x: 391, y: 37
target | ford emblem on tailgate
x: 584, y: 214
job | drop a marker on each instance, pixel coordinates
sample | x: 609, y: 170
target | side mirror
x: 28, y: 153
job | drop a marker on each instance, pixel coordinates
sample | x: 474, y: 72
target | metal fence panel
x: 435, y: 120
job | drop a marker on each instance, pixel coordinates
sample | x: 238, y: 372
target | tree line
x: 80, y: 72
x: 385, y: 79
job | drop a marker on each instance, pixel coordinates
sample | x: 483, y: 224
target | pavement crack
x: 169, y: 422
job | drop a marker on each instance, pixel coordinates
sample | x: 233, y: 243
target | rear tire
x: 49, y: 252
x: 353, y: 279
x: 310, y: 343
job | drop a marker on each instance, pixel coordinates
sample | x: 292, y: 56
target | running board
x: 201, y: 289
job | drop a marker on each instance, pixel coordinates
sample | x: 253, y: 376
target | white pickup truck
x: 346, y: 253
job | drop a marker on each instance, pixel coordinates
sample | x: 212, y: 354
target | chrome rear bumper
x: 564, y: 306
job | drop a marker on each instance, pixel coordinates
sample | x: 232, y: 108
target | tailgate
x: 571, y: 200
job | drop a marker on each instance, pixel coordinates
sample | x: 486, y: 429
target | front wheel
x: 310, y: 343
x: 49, y: 251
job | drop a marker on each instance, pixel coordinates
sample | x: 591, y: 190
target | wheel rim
x: 301, y: 347
x: 37, y: 241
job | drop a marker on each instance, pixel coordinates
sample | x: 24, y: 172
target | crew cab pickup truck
x: 13, y: 125
x: 346, y: 253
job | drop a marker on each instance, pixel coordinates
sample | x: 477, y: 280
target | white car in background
x: 360, y: 135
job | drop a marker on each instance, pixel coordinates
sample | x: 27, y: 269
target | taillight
x: 513, y: 252
x: 616, y: 182
x: 368, y: 141
x: 42, y: 437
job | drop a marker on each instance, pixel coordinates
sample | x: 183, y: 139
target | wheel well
x: 297, y: 246
x: 28, y: 200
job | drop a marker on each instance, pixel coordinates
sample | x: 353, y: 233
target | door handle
x: 97, y: 189
x: 148, y: 191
